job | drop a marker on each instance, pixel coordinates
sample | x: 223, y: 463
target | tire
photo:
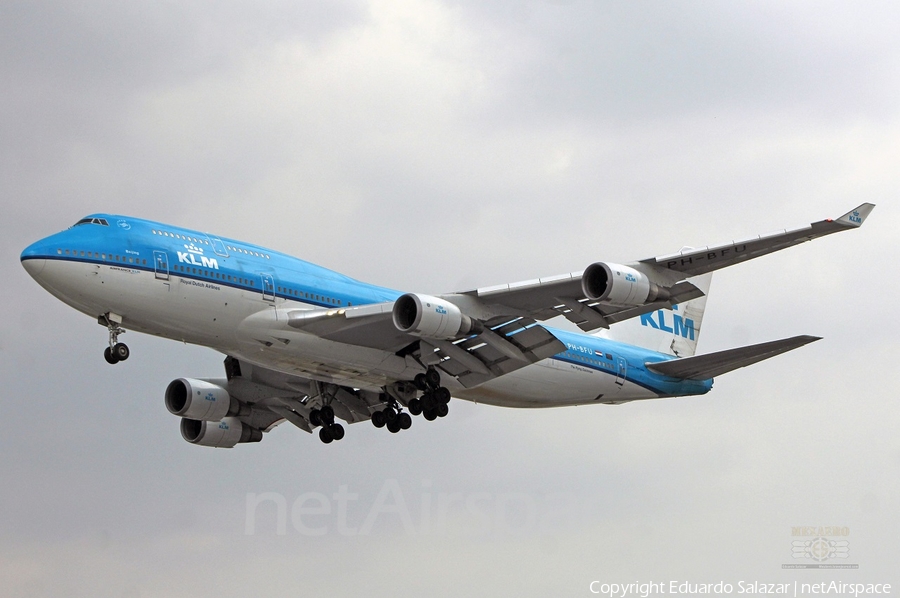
x: 378, y: 419
x: 393, y: 427
x: 442, y: 395
x: 428, y: 401
x: 314, y: 418
x: 110, y: 357
x: 430, y: 414
x: 337, y: 431
x: 420, y: 382
x: 433, y: 378
x: 415, y: 406
x: 390, y: 416
x: 326, y: 414
x: 120, y: 350
x: 442, y: 410
x: 405, y: 421
x: 325, y: 435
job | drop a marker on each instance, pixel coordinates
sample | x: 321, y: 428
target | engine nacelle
x: 620, y: 285
x: 222, y: 434
x: 431, y: 317
x: 197, y: 399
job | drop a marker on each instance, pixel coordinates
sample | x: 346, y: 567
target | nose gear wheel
x: 116, y: 351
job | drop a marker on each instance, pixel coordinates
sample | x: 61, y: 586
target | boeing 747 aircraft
x: 310, y: 346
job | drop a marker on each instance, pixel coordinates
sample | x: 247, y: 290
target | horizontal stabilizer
x: 703, y: 367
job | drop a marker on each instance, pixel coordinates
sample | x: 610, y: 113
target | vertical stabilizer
x: 671, y: 331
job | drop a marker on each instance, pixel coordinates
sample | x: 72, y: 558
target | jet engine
x: 200, y: 400
x: 620, y: 285
x: 223, y: 434
x: 431, y: 317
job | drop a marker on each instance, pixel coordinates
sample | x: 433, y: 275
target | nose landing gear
x: 116, y: 351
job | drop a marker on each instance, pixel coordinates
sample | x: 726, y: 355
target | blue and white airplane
x: 308, y: 345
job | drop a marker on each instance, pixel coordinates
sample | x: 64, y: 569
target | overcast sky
x: 439, y: 146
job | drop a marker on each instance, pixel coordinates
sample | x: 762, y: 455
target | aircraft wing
x: 277, y: 396
x: 693, y: 262
x: 565, y: 295
x: 505, y: 343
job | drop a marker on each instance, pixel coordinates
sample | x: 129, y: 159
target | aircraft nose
x: 33, y: 259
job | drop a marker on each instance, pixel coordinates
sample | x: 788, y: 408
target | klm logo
x: 190, y: 257
x: 854, y: 217
x: 210, y: 397
x: 682, y: 326
x: 630, y: 277
x: 441, y: 310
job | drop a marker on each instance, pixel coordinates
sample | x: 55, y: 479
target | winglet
x: 856, y: 216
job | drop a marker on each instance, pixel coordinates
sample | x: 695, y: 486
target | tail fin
x: 673, y: 332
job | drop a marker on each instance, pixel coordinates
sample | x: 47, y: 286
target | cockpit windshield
x: 100, y: 221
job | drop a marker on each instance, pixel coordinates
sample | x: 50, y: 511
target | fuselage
x: 235, y: 297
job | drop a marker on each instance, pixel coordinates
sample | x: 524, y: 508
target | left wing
x: 497, y: 346
x: 275, y: 396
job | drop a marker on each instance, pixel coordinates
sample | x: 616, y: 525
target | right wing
x: 565, y: 295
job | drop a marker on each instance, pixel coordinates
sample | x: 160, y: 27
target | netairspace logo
x: 426, y: 513
x: 721, y: 588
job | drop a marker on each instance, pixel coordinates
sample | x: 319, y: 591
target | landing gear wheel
x: 378, y: 419
x: 415, y: 406
x: 442, y: 410
x: 393, y: 427
x: 336, y: 430
x: 433, y: 378
x: 404, y: 421
x: 390, y: 416
x: 325, y: 435
x: 326, y: 414
x: 110, y: 357
x: 315, y: 417
x: 442, y: 395
x: 420, y: 382
x: 120, y: 350
x: 430, y: 414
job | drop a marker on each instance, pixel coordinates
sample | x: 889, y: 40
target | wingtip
x: 857, y: 216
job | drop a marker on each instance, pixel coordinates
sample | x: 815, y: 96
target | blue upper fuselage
x: 151, y: 246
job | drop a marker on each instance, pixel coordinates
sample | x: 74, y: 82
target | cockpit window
x: 100, y: 221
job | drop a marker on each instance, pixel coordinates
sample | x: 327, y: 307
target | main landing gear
x: 435, y: 398
x: 116, y: 351
x: 432, y: 404
x: 392, y: 417
x: 329, y: 430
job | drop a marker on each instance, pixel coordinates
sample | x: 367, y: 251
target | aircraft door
x: 268, y: 287
x: 217, y: 245
x: 161, y: 265
x: 621, y: 369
